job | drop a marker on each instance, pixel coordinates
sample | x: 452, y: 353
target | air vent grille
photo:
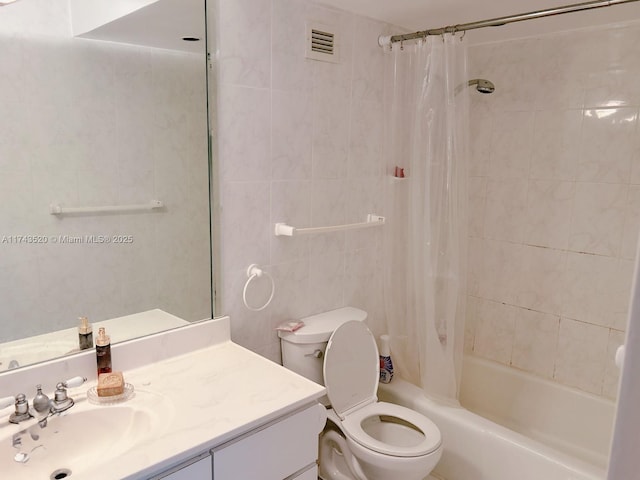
x: 322, y: 43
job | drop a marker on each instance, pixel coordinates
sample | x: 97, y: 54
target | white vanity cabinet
x: 275, y: 452
x: 286, y: 448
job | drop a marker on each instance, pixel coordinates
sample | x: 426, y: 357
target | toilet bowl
x: 364, y: 439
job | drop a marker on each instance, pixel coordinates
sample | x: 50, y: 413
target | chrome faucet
x: 61, y: 402
x: 41, y: 403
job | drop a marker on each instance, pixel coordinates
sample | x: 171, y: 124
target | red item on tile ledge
x: 399, y: 172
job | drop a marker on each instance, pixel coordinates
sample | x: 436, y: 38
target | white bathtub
x: 476, y: 448
x: 569, y: 420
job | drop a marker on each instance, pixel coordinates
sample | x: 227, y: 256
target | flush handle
x: 316, y: 354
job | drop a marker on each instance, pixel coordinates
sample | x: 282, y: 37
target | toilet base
x: 334, y: 457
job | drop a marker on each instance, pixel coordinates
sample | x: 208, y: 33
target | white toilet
x: 364, y: 439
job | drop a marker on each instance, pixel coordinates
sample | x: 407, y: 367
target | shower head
x: 482, y: 85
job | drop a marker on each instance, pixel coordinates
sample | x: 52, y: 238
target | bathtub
x: 569, y: 420
x: 476, y: 448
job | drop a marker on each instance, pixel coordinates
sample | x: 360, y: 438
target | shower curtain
x: 426, y: 107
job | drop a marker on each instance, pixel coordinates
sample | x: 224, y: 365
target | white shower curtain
x: 426, y: 108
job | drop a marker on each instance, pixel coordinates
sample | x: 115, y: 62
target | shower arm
x: 497, y: 22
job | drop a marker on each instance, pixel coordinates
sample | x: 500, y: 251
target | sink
x: 75, y: 443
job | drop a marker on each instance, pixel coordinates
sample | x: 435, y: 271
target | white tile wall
x: 89, y: 123
x: 300, y: 143
x: 555, y: 203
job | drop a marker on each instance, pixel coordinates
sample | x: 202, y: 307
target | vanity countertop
x: 219, y: 393
x: 206, y: 397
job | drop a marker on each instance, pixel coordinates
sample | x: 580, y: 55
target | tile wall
x: 94, y: 123
x: 555, y: 203
x: 300, y: 142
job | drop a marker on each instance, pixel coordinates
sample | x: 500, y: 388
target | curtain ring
x: 464, y: 32
x: 402, y: 45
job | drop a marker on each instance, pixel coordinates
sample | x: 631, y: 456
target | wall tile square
x: 495, y: 329
x: 291, y: 135
x: 511, y: 145
x: 541, y: 279
x: 598, y: 218
x: 535, y: 342
x: 500, y: 267
x: 548, y: 217
x: 589, y: 288
x: 244, y: 113
x: 240, y: 64
x: 365, y: 144
x: 607, y: 145
x: 582, y: 349
x: 291, y: 71
x: 506, y: 203
x: 556, y: 138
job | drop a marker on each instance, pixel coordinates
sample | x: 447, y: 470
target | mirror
x: 106, y: 115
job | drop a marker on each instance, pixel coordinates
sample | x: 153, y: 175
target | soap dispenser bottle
x: 85, y: 334
x: 103, y: 351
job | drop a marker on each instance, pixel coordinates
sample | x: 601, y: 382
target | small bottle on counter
x: 85, y: 334
x: 386, y: 365
x: 103, y: 351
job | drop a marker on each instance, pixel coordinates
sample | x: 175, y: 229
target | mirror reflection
x: 101, y: 115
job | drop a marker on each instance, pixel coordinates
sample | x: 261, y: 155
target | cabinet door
x: 198, y: 470
x: 273, y: 453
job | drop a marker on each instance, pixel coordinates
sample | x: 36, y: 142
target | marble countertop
x: 205, y: 398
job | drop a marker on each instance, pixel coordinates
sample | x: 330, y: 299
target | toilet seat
x: 352, y: 426
x: 351, y: 374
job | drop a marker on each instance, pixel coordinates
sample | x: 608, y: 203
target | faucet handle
x: 22, y: 409
x: 74, y: 382
x: 61, y: 401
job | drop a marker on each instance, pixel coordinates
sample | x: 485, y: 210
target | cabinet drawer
x: 273, y: 453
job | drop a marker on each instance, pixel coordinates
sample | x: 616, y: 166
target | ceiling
x: 167, y: 21
x: 424, y: 14
x: 161, y: 24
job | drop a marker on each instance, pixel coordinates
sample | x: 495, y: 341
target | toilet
x: 364, y: 439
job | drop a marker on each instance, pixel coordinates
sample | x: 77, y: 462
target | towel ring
x: 254, y: 271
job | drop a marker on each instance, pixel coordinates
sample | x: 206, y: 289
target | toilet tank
x: 303, y: 350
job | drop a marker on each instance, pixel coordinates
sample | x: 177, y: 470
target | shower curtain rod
x: 497, y: 22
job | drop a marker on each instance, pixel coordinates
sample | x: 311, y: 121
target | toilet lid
x: 351, y: 367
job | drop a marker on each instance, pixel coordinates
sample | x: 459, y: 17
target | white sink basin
x: 84, y: 438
